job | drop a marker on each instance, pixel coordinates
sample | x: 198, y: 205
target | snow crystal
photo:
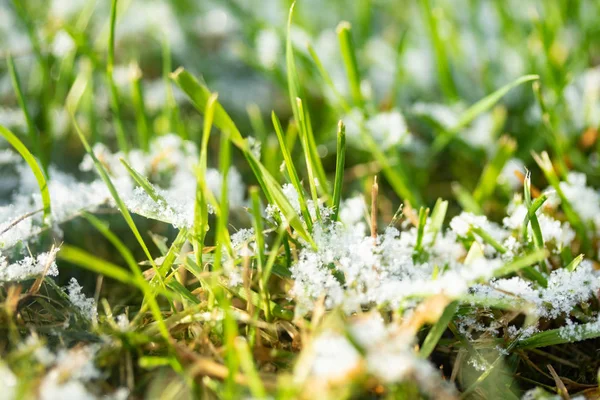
x: 86, y: 305
x: 28, y: 267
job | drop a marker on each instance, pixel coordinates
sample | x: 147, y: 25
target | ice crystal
x: 28, y: 267
x: 87, y: 306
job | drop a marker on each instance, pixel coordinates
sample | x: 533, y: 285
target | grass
x: 206, y: 253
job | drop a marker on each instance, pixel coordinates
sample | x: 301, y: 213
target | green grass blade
x: 339, y: 169
x: 444, y: 72
x: 477, y: 109
x: 521, y: 262
x: 349, y: 57
x: 114, y: 93
x: 257, y: 223
x: 491, y: 172
x: 420, y: 232
x: 567, y: 334
x: 538, y: 238
x: 199, y: 95
x: 289, y: 164
x: 301, y: 115
x: 489, y: 101
x: 437, y: 218
x: 327, y: 78
x: 201, y: 203
x: 141, y: 119
x: 436, y: 331
x: 543, y: 161
x: 34, y: 135
x: 172, y: 254
x: 465, y: 199
x: 35, y: 168
x: 309, y: 161
x: 94, y: 264
x: 113, y: 191
x: 247, y: 363
x: 144, y: 183
x: 149, y: 293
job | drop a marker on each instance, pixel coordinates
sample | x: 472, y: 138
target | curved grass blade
x: 199, y: 96
x: 94, y: 264
x: 476, y: 109
x: 138, y: 276
x: 35, y: 168
x: 113, y: 191
x: 34, y: 135
x: 438, y: 329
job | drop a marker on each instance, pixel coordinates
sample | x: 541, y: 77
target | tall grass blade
x: 35, y: 168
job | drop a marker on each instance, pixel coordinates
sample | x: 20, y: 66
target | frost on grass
x: 564, y: 291
x: 375, y: 349
x: 28, y: 267
x: 352, y: 270
x: 87, y: 306
x: 169, y: 165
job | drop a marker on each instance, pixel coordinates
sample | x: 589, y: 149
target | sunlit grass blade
x: 437, y: 218
x: 149, y: 293
x: 420, y: 232
x: 491, y: 172
x: 199, y: 95
x: 301, y: 114
x: 257, y: 224
x: 521, y: 262
x: 94, y: 264
x: 339, y: 169
x: 291, y: 169
x: 477, y: 109
x: 114, y: 93
x: 309, y: 162
x: 327, y: 78
x: 575, y: 263
x: 465, y: 199
x: 35, y: 168
x: 436, y: 331
x: 171, y: 109
x: 538, y: 238
x: 32, y: 130
x: 172, y: 254
x: 137, y: 98
x: 444, y: 73
x: 144, y: 183
x: 567, y: 334
x: 543, y: 161
x: 247, y: 363
x: 113, y: 191
x: 201, y: 203
x: 349, y: 57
